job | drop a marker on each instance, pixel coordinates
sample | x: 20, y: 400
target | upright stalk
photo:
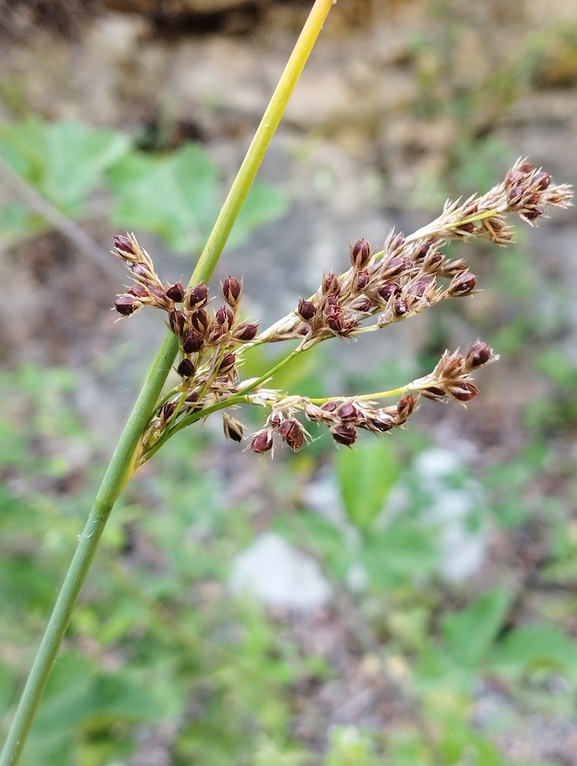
x: 119, y: 470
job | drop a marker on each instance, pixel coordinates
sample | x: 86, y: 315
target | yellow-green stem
x: 121, y: 467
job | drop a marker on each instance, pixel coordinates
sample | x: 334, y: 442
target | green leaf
x: 535, y: 647
x: 173, y: 196
x: 470, y: 632
x: 400, y: 553
x: 366, y: 474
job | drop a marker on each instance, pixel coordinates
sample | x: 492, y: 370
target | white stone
x: 279, y: 575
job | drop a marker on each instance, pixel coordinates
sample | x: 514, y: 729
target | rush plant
x: 206, y: 345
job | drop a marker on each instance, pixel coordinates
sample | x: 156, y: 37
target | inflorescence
x: 409, y: 275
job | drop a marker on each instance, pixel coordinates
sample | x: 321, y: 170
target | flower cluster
x: 410, y: 274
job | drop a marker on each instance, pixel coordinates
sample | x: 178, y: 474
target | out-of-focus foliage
x: 176, y: 194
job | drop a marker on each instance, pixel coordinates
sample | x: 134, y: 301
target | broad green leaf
x: 173, y: 196
x: 76, y: 159
x: 403, y: 552
x: 366, y: 474
x: 470, y: 632
x: 534, y: 647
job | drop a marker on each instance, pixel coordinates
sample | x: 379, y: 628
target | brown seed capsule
x: 463, y: 390
x: 158, y: 294
x: 233, y: 428
x: 405, y: 407
x: 192, y: 342
x: 400, y: 308
x: 360, y: 253
x: 175, y: 292
x: 526, y: 167
x: 514, y: 194
x: 420, y: 254
x: 227, y: 364
x: 330, y: 285
x: 293, y: 433
x: 393, y: 267
x: 127, y: 305
x: 391, y: 288
x: 541, y: 180
x: 345, y: 435
x: 478, y: 355
x: 362, y: 304
x: 167, y: 411
x: 329, y: 406
x: 231, y: 290
x: 196, y: 297
x: 462, y: 284
x: 176, y: 320
x: 435, y: 393
x: 531, y: 215
x: 418, y: 288
x: 200, y: 321
x: 347, y: 411
x: 452, y: 268
x: 139, y: 291
x: 225, y: 318
x: 382, y: 421
x: 140, y: 270
x: 432, y: 261
x: 306, y: 310
x: 245, y: 332
x: 261, y: 442
x: 185, y: 369
x: 123, y: 244
x: 362, y: 279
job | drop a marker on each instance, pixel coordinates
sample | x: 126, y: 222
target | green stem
x: 120, y: 468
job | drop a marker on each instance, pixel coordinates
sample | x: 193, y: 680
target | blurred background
x: 413, y: 601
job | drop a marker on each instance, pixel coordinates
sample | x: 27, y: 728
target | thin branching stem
x: 121, y: 466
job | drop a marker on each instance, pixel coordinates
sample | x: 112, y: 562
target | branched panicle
x: 410, y: 274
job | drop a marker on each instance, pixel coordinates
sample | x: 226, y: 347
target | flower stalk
x: 123, y: 465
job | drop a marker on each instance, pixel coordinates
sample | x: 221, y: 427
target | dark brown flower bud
x: 225, y: 318
x: 526, y: 167
x: 418, y: 288
x: 159, y: 294
x: 435, y: 393
x: 452, y: 268
x: 261, y: 442
x: 215, y: 333
x: 541, y: 180
x: 199, y: 320
x: 462, y: 284
x: 245, y: 332
x: 514, y: 194
x: 303, y: 329
x: 360, y: 253
x: 513, y: 178
x: 196, y: 297
x: 185, y: 369
x: 347, y: 411
x: 167, y: 411
x: 531, y: 215
x: 400, y: 308
x: 140, y: 270
x: 467, y: 228
x: 382, y: 421
x: 420, y: 254
x: 176, y: 319
x: 233, y: 428
x: 329, y: 406
x: 274, y: 419
x: 293, y: 433
x: 396, y: 242
x: 192, y: 342
x: 123, y: 244
x: 139, y: 291
x: 175, y: 292
x: 192, y: 397
x: 127, y: 305
x: 362, y: 280
x: 227, y: 364
x: 463, y: 390
x: 231, y: 290
x: 432, y: 261
x: 306, y: 310
x: 330, y: 285
x: 391, y: 288
x: 405, y: 407
x: 362, y: 304
x: 393, y: 267
x: 345, y: 435
x: 478, y: 355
